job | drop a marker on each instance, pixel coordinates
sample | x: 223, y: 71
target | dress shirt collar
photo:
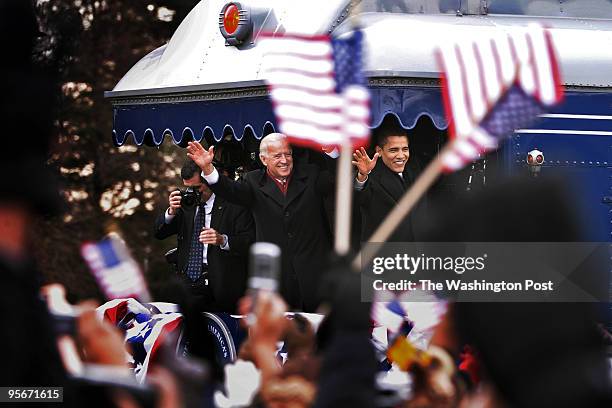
x: 209, y: 203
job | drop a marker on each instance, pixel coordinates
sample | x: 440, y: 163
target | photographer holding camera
x: 213, y: 236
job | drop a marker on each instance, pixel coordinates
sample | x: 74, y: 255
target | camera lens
x: 188, y: 200
x: 190, y: 197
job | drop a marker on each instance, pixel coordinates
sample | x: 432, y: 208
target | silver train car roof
x: 198, y: 87
x: 398, y: 45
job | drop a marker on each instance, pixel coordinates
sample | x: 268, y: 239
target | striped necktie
x: 194, y: 264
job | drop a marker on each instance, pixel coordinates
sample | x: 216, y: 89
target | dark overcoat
x: 297, y: 223
x: 382, y: 191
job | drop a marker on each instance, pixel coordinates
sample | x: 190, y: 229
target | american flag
x: 116, y: 272
x: 317, y: 87
x: 494, y: 85
x: 145, y: 327
x: 391, y: 315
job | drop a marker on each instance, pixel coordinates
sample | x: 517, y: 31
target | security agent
x: 213, y: 241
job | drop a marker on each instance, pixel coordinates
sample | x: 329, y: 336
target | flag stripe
x: 552, y: 57
x: 466, y: 149
x: 507, y: 62
x: 357, y: 130
x: 452, y: 161
x: 490, y: 68
x: 266, y: 36
x: 155, y: 339
x: 543, y: 67
x: 293, y: 46
x: 483, y: 139
x: 324, y: 58
x: 336, y: 107
x: 296, y: 113
x: 282, y: 71
x: 301, y: 88
x: 308, y: 130
x: 358, y: 112
x: 527, y: 81
x: 481, y: 76
x: 455, y: 91
x: 317, y: 89
x: 304, y: 98
x: 498, y: 69
x: 533, y: 67
x: 322, y: 65
x: 464, y: 88
x: 473, y: 76
x: 355, y: 93
x: 306, y: 81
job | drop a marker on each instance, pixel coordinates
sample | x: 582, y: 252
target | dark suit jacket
x: 227, y: 270
x: 382, y: 191
x: 296, y: 223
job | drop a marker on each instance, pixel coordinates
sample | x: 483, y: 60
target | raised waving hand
x: 202, y: 157
x: 364, y: 164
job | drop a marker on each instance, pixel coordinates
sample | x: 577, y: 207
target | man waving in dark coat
x: 380, y: 184
x: 287, y: 204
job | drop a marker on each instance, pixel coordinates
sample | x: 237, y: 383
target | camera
x: 190, y: 197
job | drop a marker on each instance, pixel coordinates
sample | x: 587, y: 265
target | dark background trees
x: 88, y: 45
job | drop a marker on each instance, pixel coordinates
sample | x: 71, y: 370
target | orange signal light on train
x: 231, y: 18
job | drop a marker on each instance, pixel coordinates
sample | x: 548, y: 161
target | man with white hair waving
x: 287, y: 204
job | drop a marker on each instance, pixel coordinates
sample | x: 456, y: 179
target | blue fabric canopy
x: 150, y: 123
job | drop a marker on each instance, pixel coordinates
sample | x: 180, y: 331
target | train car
x: 206, y: 83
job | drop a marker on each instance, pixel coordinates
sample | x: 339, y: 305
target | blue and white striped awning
x: 188, y: 118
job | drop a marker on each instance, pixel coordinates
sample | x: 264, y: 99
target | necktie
x: 402, y: 180
x: 194, y: 264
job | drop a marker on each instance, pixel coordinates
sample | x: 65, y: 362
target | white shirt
x: 359, y: 185
x: 212, y: 178
x: 208, y: 207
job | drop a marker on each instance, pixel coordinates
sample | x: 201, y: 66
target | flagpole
x: 344, y: 182
x: 403, y: 207
x: 344, y: 198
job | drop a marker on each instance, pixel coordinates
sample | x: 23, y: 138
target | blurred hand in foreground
x: 435, y: 383
x: 268, y: 327
x: 101, y: 342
